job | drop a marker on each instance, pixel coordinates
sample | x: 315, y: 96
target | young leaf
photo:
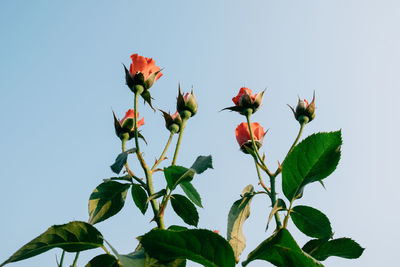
x: 185, y: 209
x: 201, y: 246
x: 139, y: 197
x: 192, y: 193
x: 71, y: 237
x: 104, y: 260
x: 121, y: 160
x: 340, y: 247
x: 279, y: 205
x: 176, y: 175
x: 106, y: 200
x: 312, y: 160
x: 202, y: 163
x: 281, y: 250
x: 238, y: 213
x: 311, y: 222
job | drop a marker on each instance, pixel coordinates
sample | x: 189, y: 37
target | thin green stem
x: 161, y: 158
x: 278, y: 171
x: 260, y: 178
x: 128, y: 169
x: 254, y: 144
x: 75, y: 260
x: 106, y: 250
x: 147, y: 171
x: 178, y: 143
x: 273, y: 200
x: 285, y: 221
x: 62, y: 259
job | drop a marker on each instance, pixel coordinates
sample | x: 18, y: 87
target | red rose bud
x: 172, y: 122
x: 304, y: 112
x: 142, y: 73
x: 125, y: 127
x: 243, y: 135
x: 186, y: 104
x: 245, y: 101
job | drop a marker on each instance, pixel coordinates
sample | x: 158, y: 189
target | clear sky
x: 61, y: 75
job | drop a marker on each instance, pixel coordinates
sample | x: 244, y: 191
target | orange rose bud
x: 186, y: 104
x: 125, y: 128
x: 245, y: 101
x: 304, y: 112
x: 142, y: 73
x: 172, y: 122
x: 243, y: 135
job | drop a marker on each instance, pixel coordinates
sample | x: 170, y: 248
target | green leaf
x: 176, y: 175
x: 177, y: 228
x: 106, y: 200
x: 139, y: 197
x: 340, y: 247
x: 152, y: 262
x: 192, y: 193
x: 121, y: 160
x: 281, y: 250
x: 202, y: 163
x: 156, y: 195
x: 104, y: 260
x: 311, y: 222
x: 134, y: 259
x: 201, y: 246
x: 312, y: 160
x: 279, y: 205
x: 185, y: 209
x: 71, y: 237
x: 238, y: 214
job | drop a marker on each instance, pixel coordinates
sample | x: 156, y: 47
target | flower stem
x: 128, y: 169
x: 164, y: 151
x: 273, y: 201
x: 147, y: 171
x: 178, y: 143
x: 285, y: 221
x: 75, y: 259
x: 62, y: 259
x: 260, y: 178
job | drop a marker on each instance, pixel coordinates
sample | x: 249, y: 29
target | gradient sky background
x: 61, y: 75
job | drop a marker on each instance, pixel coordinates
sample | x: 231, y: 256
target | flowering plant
x: 312, y: 160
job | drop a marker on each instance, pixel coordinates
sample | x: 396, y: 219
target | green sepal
x: 72, y: 237
x: 147, y: 98
x: 107, y: 200
x: 185, y: 209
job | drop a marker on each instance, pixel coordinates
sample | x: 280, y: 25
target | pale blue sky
x: 61, y: 75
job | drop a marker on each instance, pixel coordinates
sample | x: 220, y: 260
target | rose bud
x: 304, y: 112
x: 243, y: 136
x: 172, y: 122
x: 125, y: 128
x: 186, y: 104
x: 245, y: 101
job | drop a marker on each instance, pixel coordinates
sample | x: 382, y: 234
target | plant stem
x: 260, y: 178
x: 285, y: 221
x: 278, y: 171
x: 147, y: 171
x: 178, y: 143
x: 62, y: 259
x: 164, y: 151
x: 129, y: 170
x: 75, y: 260
x: 273, y: 200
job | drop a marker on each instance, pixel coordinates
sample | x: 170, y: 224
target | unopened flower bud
x: 125, y: 128
x: 304, y: 112
x: 186, y: 104
x: 245, y: 102
x: 172, y: 122
x: 243, y: 136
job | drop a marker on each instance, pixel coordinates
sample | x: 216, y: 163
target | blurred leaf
x: 312, y: 160
x: 106, y: 200
x: 279, y: 205
x: 176, y: 175
x: 156, y: 195
x: 139, y: 197
x: 340, y: 247
x: 238, y: 213
x: 177, y: 228
x: 201, y: 246
x: 71, y: 237
x: 104, y: 260
x: 311, y: 222
x: 185, y: 209
x: 281, y: 250
x: 121, y: 160
x: 202, y: 163
x: 192, y: 193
